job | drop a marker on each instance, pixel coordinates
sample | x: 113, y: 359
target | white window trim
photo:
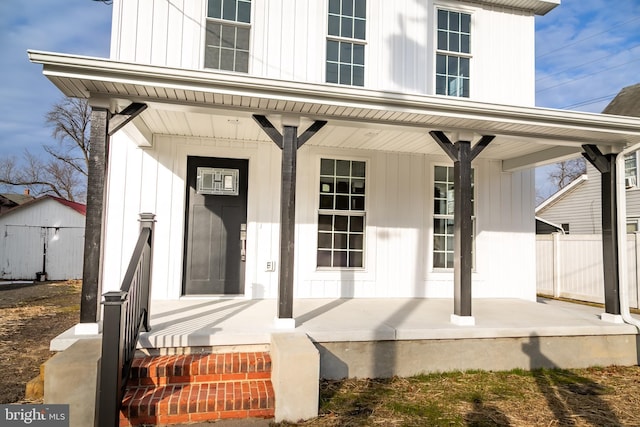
x: 203, y: 44
x: 363, y: 213
x: 432, y: 216
x: 362, y: 42
x: 452, y: 8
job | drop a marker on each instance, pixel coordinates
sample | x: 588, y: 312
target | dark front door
x: 216, y: 218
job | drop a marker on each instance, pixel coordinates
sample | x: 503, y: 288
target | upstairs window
x: 631, y: 170
x: 345, y: 42
x: 443, y: 216
x: 453, y: 53
x: 227, y: 35
x: 341, y: 214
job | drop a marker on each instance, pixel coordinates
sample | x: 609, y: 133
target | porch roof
x: 205, y: 103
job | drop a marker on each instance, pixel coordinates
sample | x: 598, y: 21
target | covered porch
x: 174, y: 113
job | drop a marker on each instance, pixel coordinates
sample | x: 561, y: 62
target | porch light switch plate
x: 271, y: 266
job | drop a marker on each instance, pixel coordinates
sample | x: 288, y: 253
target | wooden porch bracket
x: 120, y: 119
x: 288, y: 142
x: 462, y: 155
x: 606, y: 165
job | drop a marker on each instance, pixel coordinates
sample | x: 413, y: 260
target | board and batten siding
x: 288, y: 42
x: 399, y: 221
x: 24, y: 233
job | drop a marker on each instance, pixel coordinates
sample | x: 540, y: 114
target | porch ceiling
x: 219, y: 105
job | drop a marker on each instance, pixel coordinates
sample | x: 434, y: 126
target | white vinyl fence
x: 570, y: 266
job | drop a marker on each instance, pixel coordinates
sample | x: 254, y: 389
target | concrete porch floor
x: 225, y: 322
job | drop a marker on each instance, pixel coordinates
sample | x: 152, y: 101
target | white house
x: 42, y: 239
x: 295, y: 150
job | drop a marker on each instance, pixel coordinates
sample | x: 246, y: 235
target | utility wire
x: 587, y: 38
x: 586, y: 75
x: 586, y: 63
x: 588, y: 102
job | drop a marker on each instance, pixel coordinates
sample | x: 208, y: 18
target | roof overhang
x: 538, y: 7
x: 525, y: 136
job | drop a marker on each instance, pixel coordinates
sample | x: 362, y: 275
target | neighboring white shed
x: 42, y: 239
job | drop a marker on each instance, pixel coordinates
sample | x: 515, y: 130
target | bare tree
x: 565, y: 172
x: 64, y: 172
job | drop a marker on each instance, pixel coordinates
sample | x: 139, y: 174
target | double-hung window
x: 341, y: 214
x: 346, y: 36
x: 453, y: 53
x: 631, y: 170
x: 227, y: 35
x: 443, y: 216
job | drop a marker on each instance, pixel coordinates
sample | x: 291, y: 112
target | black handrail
x: 126, y: 312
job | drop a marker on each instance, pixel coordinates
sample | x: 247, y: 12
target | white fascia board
x: 106, y: 70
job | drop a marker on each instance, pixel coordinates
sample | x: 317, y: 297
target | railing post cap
x: 147, y: 216
x: 115, y: 297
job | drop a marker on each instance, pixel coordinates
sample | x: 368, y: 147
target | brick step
x: 178, y: 389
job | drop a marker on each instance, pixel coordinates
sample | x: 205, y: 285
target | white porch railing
x: 570, y: 266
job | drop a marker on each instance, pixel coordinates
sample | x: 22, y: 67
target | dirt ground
x: 30, y: 316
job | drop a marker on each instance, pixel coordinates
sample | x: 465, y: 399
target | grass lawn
x: 585, y: 397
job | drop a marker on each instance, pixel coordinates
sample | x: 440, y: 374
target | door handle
x: 243, y: 242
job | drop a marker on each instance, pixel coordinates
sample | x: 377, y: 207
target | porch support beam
x: 462, y: 155
x: 289, y: 142
x: 93, y: 236
x: 119, y: 120
x: 606, y: 165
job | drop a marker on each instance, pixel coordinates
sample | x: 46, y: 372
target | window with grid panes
x: 443, y: 193
x: 346, y: 34
x: 453, y: 54
x: 341, y: 214
x: 631, y: 169
x: 227, y: 35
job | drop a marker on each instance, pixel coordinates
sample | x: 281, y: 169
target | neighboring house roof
x: 17, y: 198
x: 626, y: 102
x: 561, y: 194
x: 78, y: 207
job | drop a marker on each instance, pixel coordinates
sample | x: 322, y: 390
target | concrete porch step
x: 176, y: 389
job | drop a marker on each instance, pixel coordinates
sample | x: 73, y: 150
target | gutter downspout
x: 622, y: 238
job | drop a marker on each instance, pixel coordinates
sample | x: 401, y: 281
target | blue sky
x: 586, y: 50
x: 70, y: 26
